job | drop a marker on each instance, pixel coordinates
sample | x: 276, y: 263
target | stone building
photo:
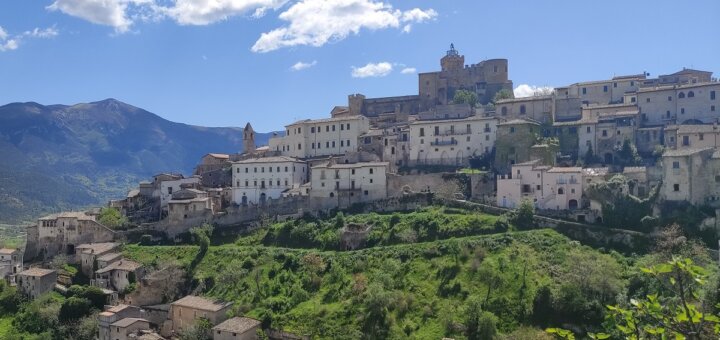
x: 237, y: 328
x: 188, y: 204
x: 513, y: 142
x: 690, y: 175
x: 185, y: 312
x: 214, y: 170
x: 443, y: 139
x: 257, y: 180
x: 11, y: 263
x: 349, y: 183
x: 168, y: 187
x: 127, y: 328
x: 321, y: 137
x: 680, y: 104
x: 118, y: 275
x: 549, y: 188
x: 248, y: 139
x: 61, y: 233
x: 692, y: 136
x: 36, y: 281
x: 87, y: 255
x: 537, y: 108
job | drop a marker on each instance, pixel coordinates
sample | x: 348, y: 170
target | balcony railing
x: 567, y: 181
x: 444, y: 142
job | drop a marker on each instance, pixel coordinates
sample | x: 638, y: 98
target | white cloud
x: 299, y: 66
x: 409, y: 70
x: 525, y: 90
x: 317, y: 22
x: 9, y: 43
x: 204, y: 12
x: 372, y: 70
x: 114, y: 13
x: 42, y: 33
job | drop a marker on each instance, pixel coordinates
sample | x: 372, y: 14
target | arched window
x: 504, y: 110
x: 681, y: 95
x: 332, y: 194
x: 561, y: 191
x: 522, y: 109
x: 691, y: 94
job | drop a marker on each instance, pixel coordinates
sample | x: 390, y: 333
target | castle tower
x: 248, y: 139
x: 452, y: 60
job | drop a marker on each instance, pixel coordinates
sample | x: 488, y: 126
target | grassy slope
x: 424, y: 285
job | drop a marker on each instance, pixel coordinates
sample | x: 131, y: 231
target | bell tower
x: 452, y: 60
x: 248, y: 139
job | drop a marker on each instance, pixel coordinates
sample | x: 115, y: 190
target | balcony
x: 567, y: 181
x: 453, y: 133
x: 444, y: 142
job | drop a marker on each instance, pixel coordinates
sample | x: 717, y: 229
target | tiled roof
x: 237, y: 325
x: 109, y: 256
x: 124, y: 265
x: 126, y: 322
x: 97, y: 248
x: 8, y: 251
x: 69, y: 214
x: 565, y: 169
x: 201, y: 303
x: 36, y: 272
x: 273, y: 159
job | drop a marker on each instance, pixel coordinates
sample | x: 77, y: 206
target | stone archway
x: 444, y: 158
x: 459, y: 158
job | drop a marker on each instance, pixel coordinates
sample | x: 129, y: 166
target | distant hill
x: 59, y: 157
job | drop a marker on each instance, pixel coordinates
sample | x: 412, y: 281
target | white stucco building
x: 321, y: 137
x: 690, y: 103
x: 167, y: 188
x: 553, y: 188
x: 451, y: 141
x: 350, y: 183
x: 256, y: 180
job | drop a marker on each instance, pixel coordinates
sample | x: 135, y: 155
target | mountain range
x: 59, y: 157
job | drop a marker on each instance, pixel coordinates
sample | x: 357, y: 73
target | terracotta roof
x: 565, y: 169
x: 109, y: 257
x: 273, y: 159
x: 124, y: 264
x: 97, y: 248
x: 36, y: 272
x: 126, y: 322
x: 8, y: 251
x: 202, y: 303
x: 237, y: 325
x: 118, y: 308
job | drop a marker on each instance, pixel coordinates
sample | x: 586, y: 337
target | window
x: 299, y: 130
x: 342, y: 142
x: 327, y: 144
x: 467, y: 128
x: 676, y: 165
x: 691, y: 94
x: 169, y: 192
x: 512, y: 129
x: 676, y: 187
x: 333, y: 127
x: 614, y: 84
x: 584, y: 90
x: 604, y: 133
x: 561, y: 191
x: 422, y: 132
x: 712, y: 108
x: 262, y: 169
x: 588, y: 129
x: 632, y: 99
x: 712, y: 95
x: 522, y: 109
x: 312, y: 129
x: 682, y: 111
x: 487, y: 137
x: 422, y: 141
x: 605, y: 88
x: 312, y: 146
x: 504, y: 110
x: 681, y: 95
x: 669, y: 98
x: 347, y: 126
x: 437, y: 130
x: 647, y: 100
x: 342, y: 127
x: 333, y: 144
x: 327, y: 128
x: 371, y: 171
x: 701, y: 136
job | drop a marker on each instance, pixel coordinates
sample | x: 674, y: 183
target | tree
x: 377, y: 300
x: 74, y: 308
x: 201, y: 330
x: 523, y: 216
x: 465, y: 97
x: 628, y: 154
x: 479, y: 324
x: 111, y: 218
x: 502, y: 94
x: 589, y: 156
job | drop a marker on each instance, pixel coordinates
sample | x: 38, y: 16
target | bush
x: 74, y: 308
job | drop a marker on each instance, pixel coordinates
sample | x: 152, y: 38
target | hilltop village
x: 574, y: 153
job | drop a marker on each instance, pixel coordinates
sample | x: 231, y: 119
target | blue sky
x: 226, y: 62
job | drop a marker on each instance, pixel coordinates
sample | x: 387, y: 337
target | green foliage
x: 93, y: 294
x: 74, y: 308
x: 201, y: 330
x: 502, y: 94
x: 465, y: 97
x: 628, y: 154
x: 523, y: 216
x: 112, y: 218
x: 10, y: 299
x: 620, y: 209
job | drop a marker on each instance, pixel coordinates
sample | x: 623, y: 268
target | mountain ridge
x: 60, y: 156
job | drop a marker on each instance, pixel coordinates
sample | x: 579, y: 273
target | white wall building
x: 321, y: 137
x: 350, y: 183
x: 690, y: 103
x: 451, y: 141
x: 167, y: 188
x: 256, y: 180
x: 553, y: 188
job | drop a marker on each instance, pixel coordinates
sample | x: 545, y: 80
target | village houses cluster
x: 660, y: 133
